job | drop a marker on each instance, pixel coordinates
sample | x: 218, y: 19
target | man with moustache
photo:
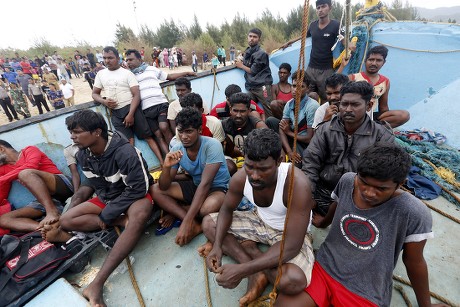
x: 264, y: 181
x: 327, y: 110
x: 336, y: 145
x: 376, y: 58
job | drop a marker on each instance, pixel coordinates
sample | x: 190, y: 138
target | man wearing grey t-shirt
x: 374, y: 221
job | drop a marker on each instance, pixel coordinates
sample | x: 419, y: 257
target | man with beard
x: 118, y: 174
x: 257, y: 71
x: 376, y: 58
x: 239, y: 124
x: 337, y: 144
x: 203, y: 159
x: 327, y: 110
x: 42, y: 178
x: 264, y: 181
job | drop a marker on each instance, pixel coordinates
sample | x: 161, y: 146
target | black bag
x: 24, y: 262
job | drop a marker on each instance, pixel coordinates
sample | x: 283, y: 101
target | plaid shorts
x: 247, y: 225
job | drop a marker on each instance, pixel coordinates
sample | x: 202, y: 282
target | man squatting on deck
x: 118, y: 175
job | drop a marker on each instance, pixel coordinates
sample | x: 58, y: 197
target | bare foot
x: 94, y: 295
x: 256, y: 286
x: 166, y: 221
x: 54, y: 234
x: 187, y: 232
x: 205, y: 249
x: 50, y: 218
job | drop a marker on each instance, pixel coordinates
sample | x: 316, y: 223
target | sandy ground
x: 82, y: 93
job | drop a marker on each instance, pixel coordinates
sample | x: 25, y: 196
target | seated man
x: 335, y: 148
x: 327, y: 110
x: 203, y: 159
x: 239, y: 124
x: 375, y: 60
x: 285, y: 127
x: 41, y: 177
x: 118, y: 174
x: 222, y: 110
x: 264, y: 181
x: 281, y: 91
x: 375, y: 220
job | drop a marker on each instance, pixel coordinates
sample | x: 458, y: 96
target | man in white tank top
x: 264, y: 180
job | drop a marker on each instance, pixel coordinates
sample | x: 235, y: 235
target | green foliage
x: 403, y: 11
x: 147, y: 35
x: 123, y: 34
x: 168, y: 34
x: 214, y: 32
x: 239, y: 30
x: 195, y: 29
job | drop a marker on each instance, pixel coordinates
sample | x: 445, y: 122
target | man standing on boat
x: 323, y: 32
x: 336, y: 145
x: 375, y: 220
x: 123, y: 99
x: 154, y: 103
x: 264, y: 181
x: 376, y: 58
x: 118, y: 174
x: 257, y: 71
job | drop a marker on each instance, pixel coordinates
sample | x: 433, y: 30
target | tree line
x: 276, y: 31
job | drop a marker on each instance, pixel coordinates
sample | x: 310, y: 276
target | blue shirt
x: 307, y: 111
x: 10, y: 76
x: 210, y: 152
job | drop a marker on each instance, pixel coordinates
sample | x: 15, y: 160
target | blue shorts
x: 38, y: 206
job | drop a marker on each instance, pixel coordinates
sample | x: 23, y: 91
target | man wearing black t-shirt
x: 323, y: 33
x: 239, y: 124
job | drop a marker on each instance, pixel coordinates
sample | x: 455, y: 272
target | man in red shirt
x: 41, y: 177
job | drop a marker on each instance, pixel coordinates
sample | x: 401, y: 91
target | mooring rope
x: 300, y: 77
x: 432, y: 294
x: 131, y: 275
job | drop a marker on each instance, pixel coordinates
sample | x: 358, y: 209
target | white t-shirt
x: 99, y: 57
x: 117, y: 85
x: 319, y: 114
x: 67, y: 90
x: 175, y: 107
x: 70, y: 153
x: 149, y: 85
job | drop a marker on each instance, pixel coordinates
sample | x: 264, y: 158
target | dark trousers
x: 39, y: 101
x: 6, y: 104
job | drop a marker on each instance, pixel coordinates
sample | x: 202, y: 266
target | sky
x: 94, y: 21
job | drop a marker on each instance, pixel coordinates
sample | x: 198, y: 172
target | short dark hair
x: 384, y: 161
x: 189, y: 118
x: 261, y: 144
x: 328, y: 2
x: 183, y: 81
x: 191, y: 100
x: 5, y: 144
x: 362, y: 88
x: 111, y: 48
x: 286, y: 66
x: 305, y: 80
x: 88, y: 120
x: 232, y: 89
x: 137, y: 54
x: 382, y: 50
x: 256, y: 31
x: 335, y: 80
x: 241, y: 98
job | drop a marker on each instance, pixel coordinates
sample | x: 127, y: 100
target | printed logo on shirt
x: 326, y: 35
x: 359, y: 231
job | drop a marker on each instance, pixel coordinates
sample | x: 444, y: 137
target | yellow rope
x: 445, y: 173
x: 300, y: 77
x: 432, y: 294
x: 416, y: 50
x: 214, y: 71
x: 131, y: 275
x: 206, y: 281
